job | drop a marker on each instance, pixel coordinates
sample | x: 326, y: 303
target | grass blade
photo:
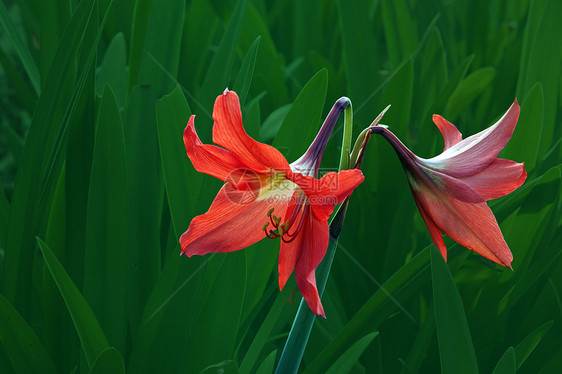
x: 91, y: 335
x: 21, y: 48
x: 455, y: 344
x: 24, y: 348
x: 106, y: 224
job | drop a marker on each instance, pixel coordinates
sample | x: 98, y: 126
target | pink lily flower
x: 451, y: 189
x: 265, y: 196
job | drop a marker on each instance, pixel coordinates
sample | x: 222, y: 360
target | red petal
x: 498, y: 179
x: 207, y: 158
x: 451, y: 134
x: 476, y: 152
x: 472, y: 225
x: 228, y: 225
x: 306, y: 252
x: 328, y: 191
x: 229, y: 132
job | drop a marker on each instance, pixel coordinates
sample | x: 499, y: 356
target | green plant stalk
x: 304, y: 319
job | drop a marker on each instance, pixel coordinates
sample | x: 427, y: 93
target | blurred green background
x: 96, y: 187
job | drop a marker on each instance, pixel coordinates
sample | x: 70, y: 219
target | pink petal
x: 229, y: 133
x: 498, y: 179
x: 476, y: 152
x: 472, y: 225
x: 451, y: 134
x: 228, y: 225
x: 434, y: 231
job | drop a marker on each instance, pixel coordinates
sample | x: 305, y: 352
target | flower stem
x: 302, y: 324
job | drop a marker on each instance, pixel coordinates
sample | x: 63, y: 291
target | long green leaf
x: 345, y: 362
x: 91, y: 335
x: 106, y: 224
x: 138, y: 35
x: 218, y: 75
x: 540, y: 62
x: 21, y: 48
x: 172, y: 114
x: 506, y: 364
x: 455, y: 344
x: 355, y: 327
x: 109, y: 361
x: 468, y: 90
x: 27, y: 208
x: 160, y: 61
x: 145, y: 194
x: 244, y: 79
x: 527, y: 345
x: 267, y: 365
x: 24, y: 348
x: 303, y: 118
x: 263, y: 335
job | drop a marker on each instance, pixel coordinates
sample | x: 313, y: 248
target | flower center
x: 288, y: 228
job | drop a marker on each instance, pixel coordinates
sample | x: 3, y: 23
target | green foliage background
x: 96, y: 186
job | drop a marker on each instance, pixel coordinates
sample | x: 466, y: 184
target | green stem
x: 302, y: 324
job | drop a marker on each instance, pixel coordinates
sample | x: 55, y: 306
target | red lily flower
x: 451, y: 189
x: 263, y: 189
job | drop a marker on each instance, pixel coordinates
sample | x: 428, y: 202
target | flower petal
x: 451, y: 134
x: 434, y: 231
x: 228, y: 225
x: 472, y: 225
x: 498, y: 179
x: 476, y: 152
x: 306, y: 252
x: 229, y: 132
x: 207, y: 158
x: 328, y: 191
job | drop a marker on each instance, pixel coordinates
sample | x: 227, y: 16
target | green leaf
x: 303, y: 118
x: 106, y: 224
x: 145, y: 194
x: 270, y: 127
x: 268, y: 364
x: 14, y: 141
x: 400, y: 30
x: 524, y: 144
x: 172, y: 114
x: 263, y: 335
x: 453, y: 335
x: 4, y: 216
x: 22, y: 345
x: 212, y: 339
x: 527, y: 345
x: 359, y: 54
x: 540, y: 62
x: 405, y: 278
x: 138, y: 35
x: 399, y: 93
x: 160, y: 60
x: 506, y: 364
x: 91, y: 335
x: 109, y: 361
x: 218, y: 75
x: 27, y: 207
x: 21, y: 48
x: 345, y: 362
x: 468, y: 90
x: 244, y: 79
x: 113, y: 70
